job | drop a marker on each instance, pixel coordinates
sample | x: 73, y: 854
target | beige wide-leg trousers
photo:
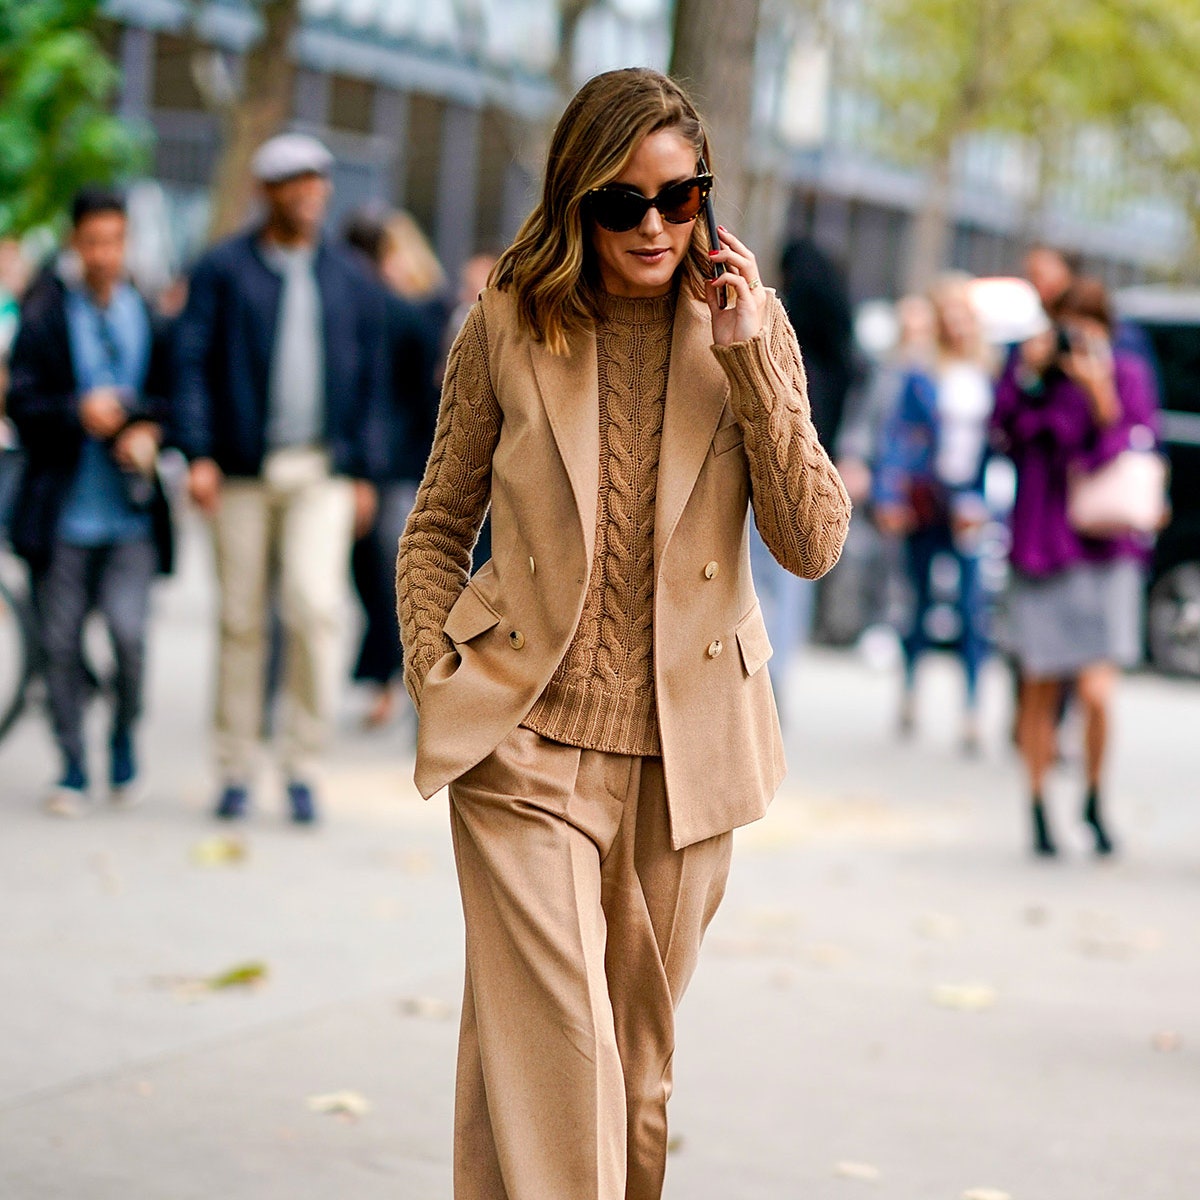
x: 583, y: 929
x: 295, y: 526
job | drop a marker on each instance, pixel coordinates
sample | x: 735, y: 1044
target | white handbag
x: 1126, y: 495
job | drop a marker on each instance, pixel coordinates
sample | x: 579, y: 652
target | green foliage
x: 948, y: 68
x: 57, y: 131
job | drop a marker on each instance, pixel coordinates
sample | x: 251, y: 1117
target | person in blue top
x: 88, y: 397
x: 928, y: 488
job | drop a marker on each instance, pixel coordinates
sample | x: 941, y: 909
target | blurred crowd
x: 293, y: 379
x: 296, y: 376
x: 1003, y: 445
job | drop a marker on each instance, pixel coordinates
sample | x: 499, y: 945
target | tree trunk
x: 261, y: 109
x: 929, y: 247
x: 713, y: 57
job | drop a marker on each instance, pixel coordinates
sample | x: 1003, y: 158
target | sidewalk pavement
x: 894, y: 1000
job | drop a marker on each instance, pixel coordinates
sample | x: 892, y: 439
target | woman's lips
x: 651, y: 256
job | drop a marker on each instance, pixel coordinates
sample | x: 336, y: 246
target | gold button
x: 710, y: 571
x: 516, y: 639
x: 715, y: 648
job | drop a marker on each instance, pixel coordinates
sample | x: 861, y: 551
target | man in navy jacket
x: 280, y: 384
x: 88, y: 396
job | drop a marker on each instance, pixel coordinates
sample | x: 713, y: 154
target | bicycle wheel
x: 16, y: 658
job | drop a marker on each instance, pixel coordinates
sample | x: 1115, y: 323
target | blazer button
x: 714, y: 648
x: 710, y: 571
x: 516, y: 639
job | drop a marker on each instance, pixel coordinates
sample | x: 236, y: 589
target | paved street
x: 894, y: 1001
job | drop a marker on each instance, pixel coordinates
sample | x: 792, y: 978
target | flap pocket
x: 470, y: 616
x: 752, y: 640
x: 727, y: 438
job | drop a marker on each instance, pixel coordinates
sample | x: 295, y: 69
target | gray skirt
x: 1088, y: 614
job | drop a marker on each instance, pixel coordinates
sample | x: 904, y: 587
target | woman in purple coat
x: 1076, y: 601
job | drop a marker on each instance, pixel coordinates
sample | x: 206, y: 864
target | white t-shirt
x: 964, y: 401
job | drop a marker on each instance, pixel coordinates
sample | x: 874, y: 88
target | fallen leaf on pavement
x: 219, y: 851
x: 825, y: 954
x: 966, y: 997
x: 857, y: 1170
x: 340, y: 1104
x: 938, y: 927
x: 250, y: 974
x: 428, y: 1007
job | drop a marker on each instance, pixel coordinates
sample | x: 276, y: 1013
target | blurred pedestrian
x: 1069, y: 404
x: 90, y: 381
x: 595, y: 697
x: 929, y: 489
x: 398, y: 252
x: 281, y: 384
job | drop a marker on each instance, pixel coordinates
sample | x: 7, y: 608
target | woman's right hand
x: 894, y: 520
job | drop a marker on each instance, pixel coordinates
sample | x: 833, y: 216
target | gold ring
x: 754, y: 283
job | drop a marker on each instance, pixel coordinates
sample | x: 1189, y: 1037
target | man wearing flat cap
x: 281, y: 376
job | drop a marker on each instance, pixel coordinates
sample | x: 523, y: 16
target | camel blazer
x: 510, y: 625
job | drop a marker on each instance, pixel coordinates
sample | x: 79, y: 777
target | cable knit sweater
x: 602, y: 693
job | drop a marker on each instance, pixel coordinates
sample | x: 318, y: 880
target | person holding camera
x: 596, y: 694
x: 88, y: 395
x: 1067, y: 405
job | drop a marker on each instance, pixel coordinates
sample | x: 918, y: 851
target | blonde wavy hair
x: 550, y: 267
x: 409, y: 262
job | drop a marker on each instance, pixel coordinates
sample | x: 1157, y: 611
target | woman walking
x: 416, y: 313
x: 929, y: 487
x: 595, y: 695
x: 1068, y: 405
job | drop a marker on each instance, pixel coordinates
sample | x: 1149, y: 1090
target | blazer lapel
x: 696, y: 391
x: 570, y: 389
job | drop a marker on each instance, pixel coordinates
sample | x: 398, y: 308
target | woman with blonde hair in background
x: 595, y: 695
x: 928, y: 488
x: 417, y: 311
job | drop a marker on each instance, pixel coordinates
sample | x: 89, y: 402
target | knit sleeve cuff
x: 753, y: 372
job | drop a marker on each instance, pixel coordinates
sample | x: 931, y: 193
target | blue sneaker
x: 124, y: 791
x: 303, y: 803
x: 232, y: 804
x: 69, y: 796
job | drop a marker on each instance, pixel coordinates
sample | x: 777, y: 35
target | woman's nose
x: 652, y: 222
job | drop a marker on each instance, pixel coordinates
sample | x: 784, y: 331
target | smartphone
x: 714, y: 239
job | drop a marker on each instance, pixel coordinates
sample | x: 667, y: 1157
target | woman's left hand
x: 736, y: 323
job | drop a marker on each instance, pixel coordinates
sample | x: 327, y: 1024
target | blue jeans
x: 920, y: 549
x: 787, y: 607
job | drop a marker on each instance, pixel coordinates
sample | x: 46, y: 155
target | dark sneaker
x: 232, y: 804
x: 303, y: 804
x: 124, y: 788
x: 69, y: 796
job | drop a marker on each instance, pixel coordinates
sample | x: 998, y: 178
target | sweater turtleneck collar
x: 638, y: 310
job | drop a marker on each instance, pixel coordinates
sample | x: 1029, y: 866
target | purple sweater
x: 1046, y: 436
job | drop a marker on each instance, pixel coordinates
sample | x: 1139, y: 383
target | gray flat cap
x: 290, y: 155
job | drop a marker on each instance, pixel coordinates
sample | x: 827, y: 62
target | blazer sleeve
x: 42, y: 400
x: 434, y: 561
x: 800, y: 504
x: 191, y: 407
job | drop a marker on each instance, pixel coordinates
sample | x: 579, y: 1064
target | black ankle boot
x: 1043, y: 843
x: 1091, y: 816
